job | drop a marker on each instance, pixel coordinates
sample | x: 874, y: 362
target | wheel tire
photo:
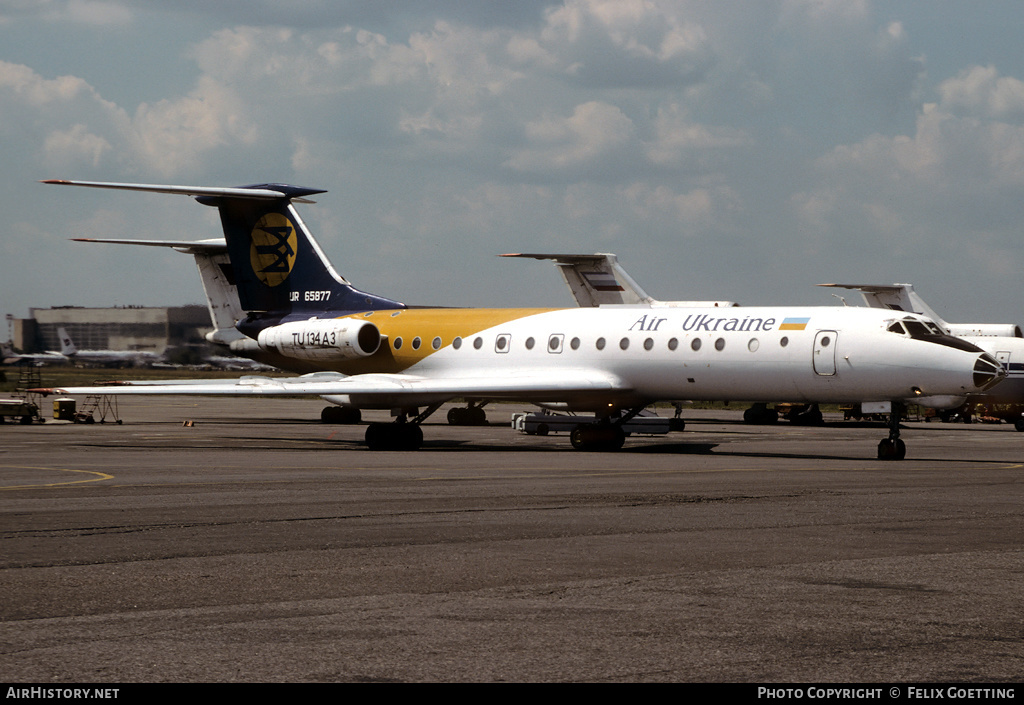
x: 889, y: 450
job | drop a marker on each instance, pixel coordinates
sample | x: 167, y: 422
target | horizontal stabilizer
x: 256, y: 191
x: 564, y: 259
x: 193, y: 247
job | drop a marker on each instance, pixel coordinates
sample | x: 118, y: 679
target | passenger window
x: 555, y: 343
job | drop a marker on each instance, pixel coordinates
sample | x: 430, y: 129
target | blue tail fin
x: 279, y: 268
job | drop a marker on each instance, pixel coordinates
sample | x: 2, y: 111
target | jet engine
x: 984, y: 330
x: 323, y: 340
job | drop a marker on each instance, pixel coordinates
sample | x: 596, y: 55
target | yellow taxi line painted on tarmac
x: 99, y: 476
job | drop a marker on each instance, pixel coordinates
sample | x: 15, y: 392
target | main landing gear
x: 472, y: 415
x: 604, y: 435
x: 892, y: 448
x: 401, y: 434
x: 340, y: 415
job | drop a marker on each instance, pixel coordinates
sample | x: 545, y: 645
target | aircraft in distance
x: 378, y: 353
x: 1004, y: 341
x: 9, y: 357
x: 103, y: 358
x: 70, y: 355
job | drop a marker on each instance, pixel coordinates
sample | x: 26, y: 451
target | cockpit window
x: 926, y: 330
x: 915, y: 328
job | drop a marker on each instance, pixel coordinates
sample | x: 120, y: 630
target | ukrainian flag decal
x: 794, y: 324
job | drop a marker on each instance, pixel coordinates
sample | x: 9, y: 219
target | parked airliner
x: 375, y: 352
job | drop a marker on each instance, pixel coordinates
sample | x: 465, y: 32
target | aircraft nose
x: 987, y: 372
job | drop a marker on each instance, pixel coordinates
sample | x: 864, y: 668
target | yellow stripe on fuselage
x: 426, y: 324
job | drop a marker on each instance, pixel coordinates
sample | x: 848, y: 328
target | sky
x: 731, y: 150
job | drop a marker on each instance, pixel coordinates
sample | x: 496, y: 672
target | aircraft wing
x: 383, y: 390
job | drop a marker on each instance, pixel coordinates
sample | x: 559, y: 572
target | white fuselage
x: 798, y: 354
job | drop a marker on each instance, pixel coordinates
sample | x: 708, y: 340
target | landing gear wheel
x: 892, y: 448
x: 597, y: 437
x: 467, y: 416
x: 807, y: 415
x: 341, y: 415
x: 889, y: 449
x: 760, y: 414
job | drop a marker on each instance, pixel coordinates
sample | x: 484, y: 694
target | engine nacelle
x: 322, y: 339
x: 985, y: 330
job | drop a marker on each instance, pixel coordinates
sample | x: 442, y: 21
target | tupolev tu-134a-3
x: 371, y: 352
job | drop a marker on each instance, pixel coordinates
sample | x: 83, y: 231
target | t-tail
x: 279, y: 269
x: 67, y: 346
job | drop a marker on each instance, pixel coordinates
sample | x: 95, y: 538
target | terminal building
x: 160, y: 331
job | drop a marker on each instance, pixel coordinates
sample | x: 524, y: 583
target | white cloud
x: 981, y: 91
x: 66, y: 149
x: 25, y: 86
x: 677, y: 137
x: 625, y: 43
x: 174, y: 136
x: 86, y: 12
x: 595, y: 131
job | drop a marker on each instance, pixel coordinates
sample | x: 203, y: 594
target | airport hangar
x: 158, y: 330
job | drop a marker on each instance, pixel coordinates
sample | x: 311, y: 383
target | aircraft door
x: 824, y: 359
x: 1003, y: 356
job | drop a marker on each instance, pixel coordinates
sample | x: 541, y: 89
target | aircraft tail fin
x: 67, y: 346
x: 278, y: 266
x: 895, y: 297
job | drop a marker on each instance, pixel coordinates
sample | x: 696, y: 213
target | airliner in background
x: 70, y: 355
x: 372, y: 352
x: 1004, y: 341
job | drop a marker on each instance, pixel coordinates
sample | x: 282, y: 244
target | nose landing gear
x: 893, y: 448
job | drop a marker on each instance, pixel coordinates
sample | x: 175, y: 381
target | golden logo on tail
x: 272, y: 253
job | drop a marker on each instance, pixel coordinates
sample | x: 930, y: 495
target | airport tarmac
x: 260, y: 545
